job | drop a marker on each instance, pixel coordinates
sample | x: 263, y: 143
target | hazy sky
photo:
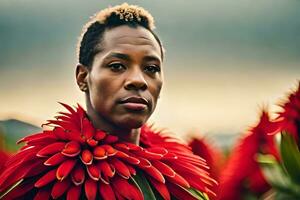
x: 224, y: 59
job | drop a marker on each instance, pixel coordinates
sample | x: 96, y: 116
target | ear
x: 81, y: 77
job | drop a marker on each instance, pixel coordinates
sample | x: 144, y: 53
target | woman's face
x: 126, y: 77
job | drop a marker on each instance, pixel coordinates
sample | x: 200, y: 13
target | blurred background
x: 225, y: 60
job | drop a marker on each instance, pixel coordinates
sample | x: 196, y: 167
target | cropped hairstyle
x: 89, y: 43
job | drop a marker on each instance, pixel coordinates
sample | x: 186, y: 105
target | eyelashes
x: 152, y: 69
x: 119, y: 67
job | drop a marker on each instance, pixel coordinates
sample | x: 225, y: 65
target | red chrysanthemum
x: 74, y: 160
x: 213, y: 156
x: 289, y: 118
x: 242, y: 172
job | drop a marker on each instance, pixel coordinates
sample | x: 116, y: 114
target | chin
x: 132, y: 123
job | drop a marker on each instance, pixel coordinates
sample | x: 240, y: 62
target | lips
x: 134, y: 103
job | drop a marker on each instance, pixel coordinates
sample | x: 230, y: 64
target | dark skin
x: 124, y: 82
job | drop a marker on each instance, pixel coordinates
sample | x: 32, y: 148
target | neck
x: 132, y: 137
x: 127, y: 135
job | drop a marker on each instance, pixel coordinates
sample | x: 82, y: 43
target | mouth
x: 135, y: 103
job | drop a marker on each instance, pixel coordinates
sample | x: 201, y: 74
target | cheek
x: 98, y: 91
x: 155, y: 90
x: 104, y: 92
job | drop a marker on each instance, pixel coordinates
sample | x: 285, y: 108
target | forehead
x: 130, y: 38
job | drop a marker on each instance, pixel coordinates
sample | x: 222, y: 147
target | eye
x: 152, y: 69
x: 116, y: 67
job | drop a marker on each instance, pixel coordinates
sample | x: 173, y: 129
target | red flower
x: 289, y: 118
x: 212, y: 155
x: 4, y: 155
x: 3, y: 158
x: 75, y: 161
x: 242, y: 168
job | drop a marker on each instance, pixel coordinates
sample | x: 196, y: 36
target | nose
x: 136, y: 81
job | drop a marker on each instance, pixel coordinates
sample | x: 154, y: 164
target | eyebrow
x: 119, y: 55
x: 127, y: 57
x: 151, y: 58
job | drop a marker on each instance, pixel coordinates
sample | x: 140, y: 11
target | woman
x: 107, y: 152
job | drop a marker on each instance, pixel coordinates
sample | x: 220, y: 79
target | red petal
x: 177, y: 179
x: 19, y: 191
x: 80, y: 111
x: 149, y: 155
x: 87, y: 128
x: 78, y: 175
x: 191, y: 158
x: 99, y: 135
x: 99, y: 153
x: 37, y: 169
x: 163, y: 168
x: 86, y: 157
x: 90, y: 187
x: 158, y: 150
x: 55, y: 159
x: 106, y: 192
x: 134, y: 147
x: 74, y: 193
x: 60, y: 187
x: 66, y: 114
x: 51, y: 149
x: 105, y: 168
x: 179, y: 193
x: 15, y: 173
x: 42, y: 141
x: 92, y: 142
x: 126, y: 157
x: 60, y: 133
x: 118, y: 195
x: 122, y: 146
x: 144, y: 163
x: 204, y: 178
x: 64, y: 169
x: 63, y: 124
x: 110, y: 139
x: 37, y: 136
x: 136, y: 193
x: 63, y: 118
x: 93, y: 172
x: 121, y: 168
x: 199, y: 185
x: 161, y: 188
x: 22, y: 155
x: 46, y: 179
x: 152, y: 171
x: 43, y: 193
x: 75, y: 135
x: 188, y: 167
x: 125, y: 189
x: 69, y: 108
x: 71, y: 149
x: 131, y: 169
x: 170, y: 156
x: 109, y: 150
x: 193, y: 161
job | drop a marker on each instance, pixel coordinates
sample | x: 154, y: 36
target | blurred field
x: 224, y: 59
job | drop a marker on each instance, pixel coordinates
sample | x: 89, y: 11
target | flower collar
x: 75, y: 160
